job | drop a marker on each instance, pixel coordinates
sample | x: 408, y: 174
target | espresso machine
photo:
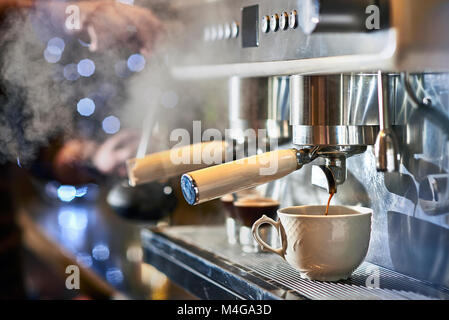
x: 353, y: 98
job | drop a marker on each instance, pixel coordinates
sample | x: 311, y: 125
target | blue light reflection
x: 86, y: 67
x: 86, y: 107
x: 114, y: 276
x: 72, y: 218
x: 66, y: 193
x: 136, y: 62
x: 100, y: 252
x: 111, y: 125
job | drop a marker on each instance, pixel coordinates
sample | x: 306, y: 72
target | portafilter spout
x: 323, y: 177
x: 334, y: 171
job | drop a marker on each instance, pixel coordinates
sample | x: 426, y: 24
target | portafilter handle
x: 212, y: 183
x: 166, y: 164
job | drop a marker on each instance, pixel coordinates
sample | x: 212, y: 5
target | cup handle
x: 277, y: 225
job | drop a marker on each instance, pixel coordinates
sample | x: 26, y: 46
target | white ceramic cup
x: 323, y: 248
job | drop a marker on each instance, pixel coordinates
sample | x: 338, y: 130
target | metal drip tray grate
x: 224, y: 271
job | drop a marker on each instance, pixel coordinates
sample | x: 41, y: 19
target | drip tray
x: 200, y: 260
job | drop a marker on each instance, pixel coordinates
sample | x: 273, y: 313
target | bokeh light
x: 86, y: 107
x: 72, y: 219
x: 71, y: 72
x: 66, y: 193
x: 51, y: 57
x: 136, y: 62
x: 81, y: 191
x: 100, y: 252
x: 114, y: 276
x: 56, y: 46
x: 53, y: 52
x: 134, y: 253
x: 169, y: 99
x: 86, y: 67
x: 111, y: 125
x: 168, y: 190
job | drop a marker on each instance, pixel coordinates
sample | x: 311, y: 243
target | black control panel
x: 250, y: 27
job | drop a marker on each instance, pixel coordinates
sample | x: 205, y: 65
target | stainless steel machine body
x: 337, y: 67
x: 260, y: 103
x: 409, y: 40
x: 334, y: 110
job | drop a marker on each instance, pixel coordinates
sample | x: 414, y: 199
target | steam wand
x: 386, y: 147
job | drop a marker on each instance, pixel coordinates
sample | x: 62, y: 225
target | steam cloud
x: 31, y: 101
x: 39, y: 92
x: 40, y: 87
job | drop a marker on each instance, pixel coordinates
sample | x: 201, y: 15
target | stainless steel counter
x: 200, y: 260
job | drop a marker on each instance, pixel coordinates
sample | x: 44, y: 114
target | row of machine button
x: 221, y: 32
x: 278, y: 22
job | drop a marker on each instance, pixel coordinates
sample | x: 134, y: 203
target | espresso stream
x: 328, y: 203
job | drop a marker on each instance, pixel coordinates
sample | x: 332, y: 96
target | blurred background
x: 80, y: 90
